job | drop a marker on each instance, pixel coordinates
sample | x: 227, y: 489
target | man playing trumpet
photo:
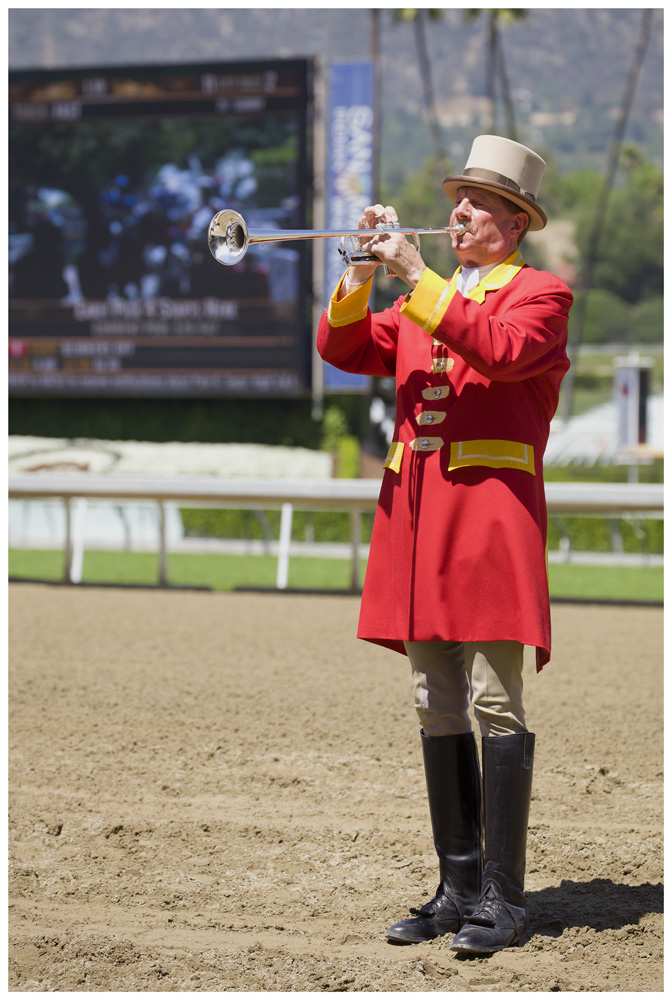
x: 457, y: 575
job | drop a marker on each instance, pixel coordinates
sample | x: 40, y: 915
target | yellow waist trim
x: 494, y: 454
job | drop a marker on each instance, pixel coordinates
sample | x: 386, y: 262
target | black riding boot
x: 500, y: 919
x: 454, y: 791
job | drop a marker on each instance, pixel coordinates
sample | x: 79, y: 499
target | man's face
x: 492, y: 231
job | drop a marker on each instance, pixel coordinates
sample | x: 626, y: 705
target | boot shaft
x: 454, y: 793
x: 507, y: 791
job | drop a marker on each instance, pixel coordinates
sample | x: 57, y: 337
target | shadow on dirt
x: 599, y: 904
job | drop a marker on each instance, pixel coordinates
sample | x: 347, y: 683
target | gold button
x: 426, y: 444
x: 430, y: 417
x: 436, y: 392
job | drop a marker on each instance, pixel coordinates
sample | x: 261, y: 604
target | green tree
x: 624, y: 300
x: 629, y: 259
x: 600, y: 212
x: 494, y: 60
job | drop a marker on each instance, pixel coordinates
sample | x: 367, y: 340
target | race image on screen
x: 114, y: 178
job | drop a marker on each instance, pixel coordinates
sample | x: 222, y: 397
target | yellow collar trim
x: 501, y: 275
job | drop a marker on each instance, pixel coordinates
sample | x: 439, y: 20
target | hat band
x: 492, y: 175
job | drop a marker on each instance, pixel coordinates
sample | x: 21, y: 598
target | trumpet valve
x: 353, y: 254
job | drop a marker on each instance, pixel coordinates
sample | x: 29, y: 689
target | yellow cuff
x: 352, y: 307
x: 429, y: 300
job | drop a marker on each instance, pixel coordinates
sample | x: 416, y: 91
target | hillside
x: 567, y: 68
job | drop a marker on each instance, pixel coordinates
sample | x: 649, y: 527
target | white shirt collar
x: 469, y: 277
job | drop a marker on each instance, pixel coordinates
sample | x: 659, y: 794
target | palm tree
x: 419, y: 16
x: 495, y: 68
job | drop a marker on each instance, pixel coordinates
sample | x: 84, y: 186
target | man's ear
x: 519, y: 223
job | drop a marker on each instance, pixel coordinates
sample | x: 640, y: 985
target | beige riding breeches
x: 447, y: 676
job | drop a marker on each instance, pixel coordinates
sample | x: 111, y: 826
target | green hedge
x: 287, y: 422
x: 595, y: 534
x: 587, y: 534
x: 248, y: 525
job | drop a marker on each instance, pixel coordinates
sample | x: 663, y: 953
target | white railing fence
x: 351, y: 495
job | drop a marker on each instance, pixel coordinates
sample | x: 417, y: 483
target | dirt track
x: 224, y: 792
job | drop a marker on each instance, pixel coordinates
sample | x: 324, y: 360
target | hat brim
x: 537, y: 217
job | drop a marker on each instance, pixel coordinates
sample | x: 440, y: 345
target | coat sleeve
x: 352, y: 339
x: 524, y: 335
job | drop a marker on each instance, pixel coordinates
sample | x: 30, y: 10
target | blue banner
x: 350, y: 174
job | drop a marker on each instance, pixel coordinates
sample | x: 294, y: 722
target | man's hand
x: 391, y: 248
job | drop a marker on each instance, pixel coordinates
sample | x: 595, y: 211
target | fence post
x: 163, y: 555
x: 67, y: 575
x: 355, y: 535
x: 78, y: 533
x: 285, y: 541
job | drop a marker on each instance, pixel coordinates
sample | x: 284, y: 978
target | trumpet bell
x: 228, y: 237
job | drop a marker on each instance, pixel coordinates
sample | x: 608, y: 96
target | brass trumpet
x: 229, y: 238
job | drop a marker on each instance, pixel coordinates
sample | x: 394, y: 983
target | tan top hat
x: 507, y: 168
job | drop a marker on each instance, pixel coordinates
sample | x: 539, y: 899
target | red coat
x: 458, y: 550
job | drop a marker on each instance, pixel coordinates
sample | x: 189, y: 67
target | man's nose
x: 462, y: 207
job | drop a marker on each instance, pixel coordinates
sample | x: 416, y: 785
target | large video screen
x: 114, y: 177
